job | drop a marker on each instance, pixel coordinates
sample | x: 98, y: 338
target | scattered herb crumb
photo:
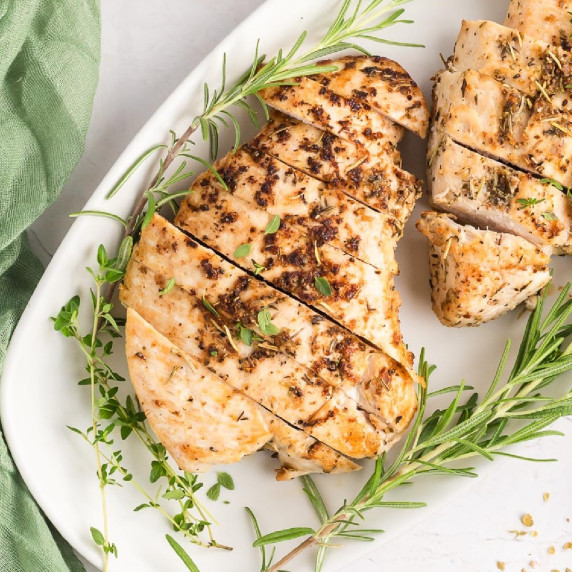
x: 210, y: 307
x: 527, y: 520
x: 518, y: 533
x: 242, y: 251
x: 258, y: 268
x: 168, y: 287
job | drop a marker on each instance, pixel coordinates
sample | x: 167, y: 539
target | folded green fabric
x: 49, y: 58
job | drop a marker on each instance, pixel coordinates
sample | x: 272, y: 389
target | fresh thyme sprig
x: 110, y: 415
x: 518, y: 410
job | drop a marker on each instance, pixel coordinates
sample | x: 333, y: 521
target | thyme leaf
x: 273, y: 226
x: 323, y: 286
x: 265, y: 323
x: 242, y: 251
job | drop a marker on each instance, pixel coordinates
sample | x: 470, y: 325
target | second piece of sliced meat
x: 478, y: 275
x: 487, y: 193
x: 375, y: 180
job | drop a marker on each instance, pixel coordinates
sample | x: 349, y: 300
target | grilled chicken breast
x: 493, y: 119
x: 477, y: 275
x: 348, y: 118
x: 375, y: 180
x: 546, y: 20
x: 381, y: 84
x: 363, y: 298
x: 280, y: 291
x: 183, y: 400
x: 489, y: 194
x: 518, y: 60
x: 320, y: 209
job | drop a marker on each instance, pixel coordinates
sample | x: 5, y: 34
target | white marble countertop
x: 148, y: 48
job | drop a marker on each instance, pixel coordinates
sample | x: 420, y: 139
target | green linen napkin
x: 49, y: 58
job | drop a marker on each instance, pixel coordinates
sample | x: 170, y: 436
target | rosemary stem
x: 132, y: 221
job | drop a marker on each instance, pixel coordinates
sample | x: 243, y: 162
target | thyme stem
x: 94, y: 426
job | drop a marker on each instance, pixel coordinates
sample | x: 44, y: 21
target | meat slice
x: 183, y: 400
x: 377, y: 383
x: 547, y: 20
x: 376, y: 181
x: 323, y: 211
x: 518, y: 60
x: 484, y: 192
x: 183, y: 404
x: 312, y: 103
x: 381, y: 84
x: 493, y: 119
x: 478, y: 275
x: 363, y: 298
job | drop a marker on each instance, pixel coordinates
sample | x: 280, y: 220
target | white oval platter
x: 39, y: 392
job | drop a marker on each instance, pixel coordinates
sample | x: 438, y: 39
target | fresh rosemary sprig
x: 442, y: 441
x: 355, y: 20
x: 110, y: 415
x: 361, y: 22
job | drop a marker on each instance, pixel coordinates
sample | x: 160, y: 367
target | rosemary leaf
x: 182, y: 554
x: 282, y: 535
